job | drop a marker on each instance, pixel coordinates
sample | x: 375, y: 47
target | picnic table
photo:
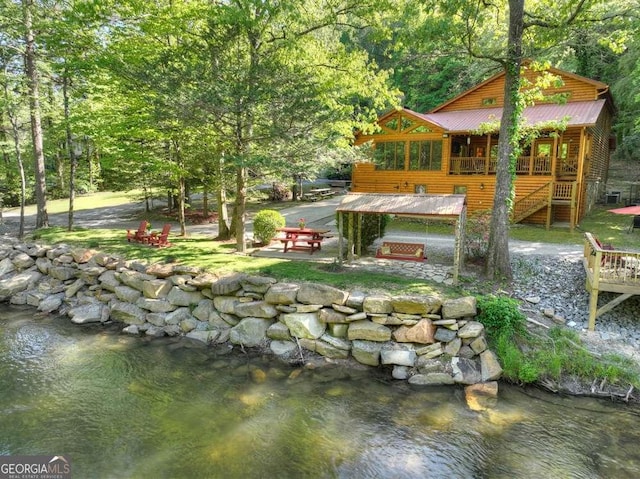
x: 302, y: 239
x: 315, y: 194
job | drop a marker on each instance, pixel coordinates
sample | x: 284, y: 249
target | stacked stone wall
x: 426, y: 340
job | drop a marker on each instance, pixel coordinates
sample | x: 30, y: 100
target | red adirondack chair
x: 160, y: 240
x: 140, y: 235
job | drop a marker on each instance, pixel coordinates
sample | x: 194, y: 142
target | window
x: 544, y: 149
x: 489, y: 101
x: 459, y: 190
x: 425, y: 155
x: 420, y: 189
x: 389, y: 155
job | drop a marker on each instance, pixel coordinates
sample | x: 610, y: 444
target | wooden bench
x: 310, y: 197
x: 402, y: 251
x: 301, y: 244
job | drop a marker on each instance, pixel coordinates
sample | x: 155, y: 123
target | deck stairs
x: 533, y: 202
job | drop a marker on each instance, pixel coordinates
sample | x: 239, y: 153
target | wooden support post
x: 350, y: 238
x: 340, y: 237
x: 550, y: 204
x: 359, y: 234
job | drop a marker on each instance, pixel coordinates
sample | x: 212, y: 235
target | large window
x: 425, y: 155
x: 389, y: 155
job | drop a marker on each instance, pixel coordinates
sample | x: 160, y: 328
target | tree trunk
x: 42, y: 218
x: 73, y: 161
x: 498, y: 262
x: 240, y: 207
x: 181, y: 189
x: 224, y: 233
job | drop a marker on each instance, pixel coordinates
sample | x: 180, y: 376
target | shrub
x: 501, y: 316
x: 476, y: 238
x: 279, y: 192
x: 373, y: 227
x: 265, y: 224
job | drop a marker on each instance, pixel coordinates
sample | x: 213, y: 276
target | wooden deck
x: 610, y: 270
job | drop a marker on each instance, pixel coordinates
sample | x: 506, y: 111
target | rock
x: 399, y: 357
x: 482, y: 396
x: 330, y: 351
x: 453, y: 347
x: 283, y: 348
x: 416, y: 304
x: 431, y: 351
x: 154, y: 331
x: 369, y: 331
x: 490, y: 366
x: 20, y: 282
x: 532, y: 299
x: 257, y: 284
x: 184, y: 298
x: 459, y: 308
x: 22, y: 261
x: 109, y: 280
x: 226, y: 304
x: 156, y: 288
x: 127, y: 313
x: 366, y: 352
x: 431, y: 379
x: 87, y: 313
x: 282, y: 293
x: 131, y: 329
x: 206, y: 337
x: 156, y: 305
x: 548, y: 312
x: 445, y: 335
x: 479, y: 344
x: 250, y: 332
x: 74, y: 287
x: 7, y: 266
x: 160, y: 270
x: 304, y: 325
x: 340, y: 308
x: 134, y: 279
x: 465, y: 371
x: 279, y: 332
x: 127, y: 293
x: 227, y: 284
x: 307, y: 308
x: 321, y: 294
x: 338, y: 330
x: 62, y: 273
x: 203, y: 310
x: 400, y: 372
x: 377, y: 304
x: 82, y: 255
x: 472, y: 329
x: 257, y: 309
x: 336, y: 342
x: 356, y: 317
x: 176, y: 316
x: 356, y: 300
x: 329, y: 315
x: 51, y: 303
x: 203, y: 281
x: 422, y: 333
x: 188, y: 324
x: 157, y: 319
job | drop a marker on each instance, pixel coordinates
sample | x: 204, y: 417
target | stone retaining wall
x: 426, y: 340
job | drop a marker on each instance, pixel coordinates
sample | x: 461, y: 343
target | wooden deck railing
x: 612, y: 270
x: 474, y: 165
x: 531, y: 203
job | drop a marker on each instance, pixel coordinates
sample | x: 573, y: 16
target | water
x: 128, y: 407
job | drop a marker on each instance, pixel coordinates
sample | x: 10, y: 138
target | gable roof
x: 580, y: 113
x: 556, y: 71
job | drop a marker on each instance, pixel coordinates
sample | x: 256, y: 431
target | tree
x: 33, y: 82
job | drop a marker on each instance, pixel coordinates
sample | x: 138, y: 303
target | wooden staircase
x: 534, y: 201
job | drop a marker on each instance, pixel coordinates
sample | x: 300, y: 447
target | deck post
x: 340, y: 236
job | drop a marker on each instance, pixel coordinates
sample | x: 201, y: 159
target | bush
x: 476, y: 238
x: 501, y: 316
x: 373, y: 227
x: 265, y: 224
x: 279, y: 192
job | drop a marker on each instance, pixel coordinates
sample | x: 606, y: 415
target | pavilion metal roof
x: 579, y: 113
x: 402, y: 204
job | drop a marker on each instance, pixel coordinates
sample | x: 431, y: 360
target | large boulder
x: 127, y: 313
x: 304, y: 325
x: 422, y: 305
x: 250, y: 332
x: 257, y: 309
x: 19, y: 282
x: 321, y: 294
x: 460, y: 307
x: 423, y: 333
x: 368, y: 331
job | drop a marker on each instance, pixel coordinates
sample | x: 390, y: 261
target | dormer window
x: 489, y: 101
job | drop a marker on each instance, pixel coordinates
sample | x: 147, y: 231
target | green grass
x: 102, y: 199
x: 220, y: 257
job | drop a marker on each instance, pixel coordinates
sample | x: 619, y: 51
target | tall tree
x: 33, y: 80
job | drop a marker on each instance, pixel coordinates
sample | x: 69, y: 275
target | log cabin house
x: 559, y: 176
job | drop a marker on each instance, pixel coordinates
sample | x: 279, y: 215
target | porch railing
x: 525, y: 165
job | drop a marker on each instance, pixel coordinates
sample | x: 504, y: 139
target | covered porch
x: 446, y: 207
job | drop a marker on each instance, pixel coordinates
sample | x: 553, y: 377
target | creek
x: 121, y: 406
